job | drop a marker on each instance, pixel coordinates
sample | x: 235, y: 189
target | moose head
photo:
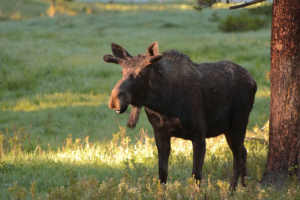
x: 136, y: 76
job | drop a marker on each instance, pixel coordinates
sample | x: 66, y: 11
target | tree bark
x: 284, y: 141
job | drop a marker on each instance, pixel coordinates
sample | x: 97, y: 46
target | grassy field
x: 56, y: 127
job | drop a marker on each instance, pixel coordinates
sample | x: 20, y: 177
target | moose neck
x: 171, y: 80
x: 159, y: 95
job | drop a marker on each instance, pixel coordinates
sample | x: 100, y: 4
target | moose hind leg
x: 235, y: 139
x: 237, y: 160
x: 198, y: 157
x: 164, y: 147
x: 244, y: 169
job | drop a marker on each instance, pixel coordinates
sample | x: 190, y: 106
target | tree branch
x: 245, y: 4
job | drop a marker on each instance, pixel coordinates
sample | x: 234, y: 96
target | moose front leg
x: 164, y: 147
x: 198, y: 157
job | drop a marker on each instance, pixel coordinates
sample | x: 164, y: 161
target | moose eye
x: 142, y: 73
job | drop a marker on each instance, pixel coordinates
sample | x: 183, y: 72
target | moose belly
x: 174, y: 127
x: 168, y: 126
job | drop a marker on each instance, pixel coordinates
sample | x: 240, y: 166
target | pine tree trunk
x: 284, y: 142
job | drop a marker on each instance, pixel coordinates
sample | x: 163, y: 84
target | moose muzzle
x: 119, y: 100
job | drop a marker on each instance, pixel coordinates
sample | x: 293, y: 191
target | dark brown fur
x: 186, y: 100
x: 133, y: 117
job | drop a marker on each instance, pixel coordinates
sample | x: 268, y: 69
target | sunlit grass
x: 55, y: 100
x: 120, y: 148
x: 263, y: 92
x: 13, y: 9
x: 94, y: 7
x: 124, y: 7
x: 224, y: 5
x: 128, y: 169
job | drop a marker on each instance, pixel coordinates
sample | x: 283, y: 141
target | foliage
x: 17, y: 192
x: 242, y: 22
x: 14, y: 9
x: 214, y: 17
x: 266, y: 9
x: 250, y: 19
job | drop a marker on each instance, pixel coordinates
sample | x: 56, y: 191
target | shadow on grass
x: 53, y: 125
x: 50, y: 174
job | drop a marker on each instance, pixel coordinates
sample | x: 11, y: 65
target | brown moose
x: 186, y: 100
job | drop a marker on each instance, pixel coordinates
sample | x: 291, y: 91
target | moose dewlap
x: 186, y: 100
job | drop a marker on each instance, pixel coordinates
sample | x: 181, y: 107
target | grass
x: 54, y: 90
x: 121, y: 169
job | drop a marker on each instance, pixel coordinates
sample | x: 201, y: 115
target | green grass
x: 53, y: 82
x: 122, y: 169
x: 44, y: 56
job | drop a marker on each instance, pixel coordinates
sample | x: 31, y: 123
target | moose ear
x: 152, y: 50
x: 111, y: 59
x: 154, y: 59
x: 119, y: 52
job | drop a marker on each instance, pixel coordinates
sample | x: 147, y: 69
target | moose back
x: 185, y: 100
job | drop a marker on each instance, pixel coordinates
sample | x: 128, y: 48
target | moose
x: 185, y: 100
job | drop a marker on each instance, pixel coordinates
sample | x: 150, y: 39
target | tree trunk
x: 284, y: 142
x: 51, y: 10
x: 53, y: 3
